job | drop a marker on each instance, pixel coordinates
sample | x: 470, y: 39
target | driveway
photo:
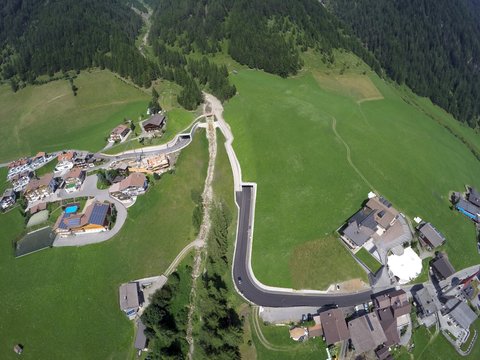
x: 89, y: 189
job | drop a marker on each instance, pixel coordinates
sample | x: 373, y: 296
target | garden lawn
x: 368, y: 260
x: 63, y: 302
x: 49, y: 117
x: 285, y: 348
x: 306, y: 186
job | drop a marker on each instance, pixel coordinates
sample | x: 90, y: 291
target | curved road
x: 255, y: 292
x: 245, y: 281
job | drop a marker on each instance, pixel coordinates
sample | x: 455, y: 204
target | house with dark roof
x: 441, y: 267
x: 430, y: 236
x: 155, y: 123
x: 376, y: 217
x: 334, y: 326
x: 389, y: 307
x: 8, y: 199
x: 473, y: 196
x: 366, y: 333
x: 383, y: 353
x: 94, y: 219
x: 468, y: 209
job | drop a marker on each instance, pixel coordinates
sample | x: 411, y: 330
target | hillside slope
x: 431, y: 45
x: 264, y: 34
x: 47, y: 36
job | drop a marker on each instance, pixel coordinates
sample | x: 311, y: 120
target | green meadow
x: 316, y: 149
x: 63, y: 302
x: 49, y: 117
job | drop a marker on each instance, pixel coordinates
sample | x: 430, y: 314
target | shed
x: 430, y: 236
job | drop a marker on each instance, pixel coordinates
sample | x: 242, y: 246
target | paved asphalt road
x: 264, y: 297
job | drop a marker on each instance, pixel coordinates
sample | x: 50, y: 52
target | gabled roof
x: 463, y: 315
x: 38, y: 183
x: 473, y: 196
x: 468, y: 207
x: 68, y: 156
x: 133, y: 180
x: 425, y: 300
x: 443, y: 267
x: 366, y: 333
x: 118, y: 130
x: 128, y: 294
x: 95, y: 214
x: 334, y: 326
x: 155, y: 120
x: 434, y: 236
x: 74, y: 173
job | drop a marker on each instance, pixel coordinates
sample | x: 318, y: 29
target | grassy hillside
x: 49, y: 117
x: 63, y: 303
x: 291, y: 137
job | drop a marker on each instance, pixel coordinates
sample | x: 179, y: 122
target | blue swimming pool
x: 71, y: 209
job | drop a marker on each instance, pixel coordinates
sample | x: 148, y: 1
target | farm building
x: 155, y: 123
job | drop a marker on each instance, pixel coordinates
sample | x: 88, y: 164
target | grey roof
x: 366, y: 333
x: 463, y: 315
x: 468, y: 207
x: 365, y: 217
x: 474, y: 196
x: 433, y: 236
x: 140, y: 338
x: 357, y: 233
x: 129, y: 296
x: 425, y: 300
x: 443, y: 267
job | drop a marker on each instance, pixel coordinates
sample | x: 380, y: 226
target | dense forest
x: 431, y: 45
x: 48, y: 36
x: 264, y: 34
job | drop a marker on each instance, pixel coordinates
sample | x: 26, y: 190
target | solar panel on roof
x: 98, y: 214
x: 73, y: 222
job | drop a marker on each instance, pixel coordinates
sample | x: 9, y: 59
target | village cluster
x: 448, y: 299
x: 88, y: 188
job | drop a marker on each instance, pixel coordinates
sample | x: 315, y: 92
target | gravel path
x: 204, y: 231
